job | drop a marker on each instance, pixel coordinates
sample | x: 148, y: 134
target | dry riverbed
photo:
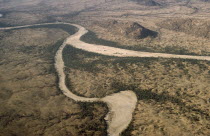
x: 120, y: 102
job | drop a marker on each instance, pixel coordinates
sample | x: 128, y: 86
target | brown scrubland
x: 173, y: 97
x: 173, y: 94
x: 31, y: 103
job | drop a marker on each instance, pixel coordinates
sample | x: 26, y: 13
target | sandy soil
x: 112, y: 51
x: 123, y: 102
x: 121, y: 106
x: 59, y: 65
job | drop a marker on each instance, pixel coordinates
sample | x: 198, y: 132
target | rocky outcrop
x: 135, y: 30
x: 148, y: 2
x: 131, y: 30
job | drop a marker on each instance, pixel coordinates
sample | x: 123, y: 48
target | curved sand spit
x: 121, y: 105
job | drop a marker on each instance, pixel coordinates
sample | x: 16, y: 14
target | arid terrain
x: 173, y: 94
x: 29, y: 83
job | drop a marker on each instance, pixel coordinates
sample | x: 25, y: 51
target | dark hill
x: 129, y: 29
x: 147, y: 2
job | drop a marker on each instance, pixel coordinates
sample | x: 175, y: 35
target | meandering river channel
x: 121, y: 105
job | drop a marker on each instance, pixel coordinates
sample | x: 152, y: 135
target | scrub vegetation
x: 173, y: 94
x: 31, y: 103
x: 171, y: 90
